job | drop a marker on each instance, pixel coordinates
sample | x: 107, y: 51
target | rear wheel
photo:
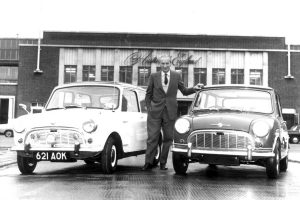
x: 273, y: 164
x: 26, y: 165
x: 157, y: 155
x: 180, y: 163
x: 109, y: 158
x: 9, y: 133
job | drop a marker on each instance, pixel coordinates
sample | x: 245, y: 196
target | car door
x: 283, y: 128
x: 133, y: 122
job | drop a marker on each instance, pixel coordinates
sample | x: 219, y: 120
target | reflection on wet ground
x: 81, y: 181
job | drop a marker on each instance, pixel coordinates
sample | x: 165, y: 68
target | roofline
x: 238, y: 86
x: 161, y: 48
x: 95, y: 83
x: 162, y: 34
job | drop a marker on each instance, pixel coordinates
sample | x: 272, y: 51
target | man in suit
x: 161, y: 102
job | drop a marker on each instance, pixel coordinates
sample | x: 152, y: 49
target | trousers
x: 154, y: 127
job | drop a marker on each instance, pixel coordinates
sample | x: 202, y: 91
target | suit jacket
x: 156, y: 98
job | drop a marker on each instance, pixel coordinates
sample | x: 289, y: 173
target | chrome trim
x: 229, y: 153
x: 64, y: 137
x: 69, y: 149
x: 223, y: 143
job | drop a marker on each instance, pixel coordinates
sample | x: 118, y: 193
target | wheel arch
x: 119, y: 143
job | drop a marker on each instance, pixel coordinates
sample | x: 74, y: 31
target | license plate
x: 52, y: 156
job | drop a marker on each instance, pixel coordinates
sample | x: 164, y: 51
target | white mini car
x: 90, y: 121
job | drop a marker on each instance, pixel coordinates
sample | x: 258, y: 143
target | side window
x: 142, y: 101
x: 129, y: 101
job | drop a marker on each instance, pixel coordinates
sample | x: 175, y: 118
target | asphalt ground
x: 8, y: 157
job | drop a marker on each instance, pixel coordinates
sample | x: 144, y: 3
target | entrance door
x: 7, y: 108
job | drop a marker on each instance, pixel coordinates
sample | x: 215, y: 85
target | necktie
x: 166, y: 78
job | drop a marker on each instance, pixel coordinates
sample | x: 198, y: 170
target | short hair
x: 164, y: 58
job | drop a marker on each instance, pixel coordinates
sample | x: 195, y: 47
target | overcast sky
x: 29, y: 18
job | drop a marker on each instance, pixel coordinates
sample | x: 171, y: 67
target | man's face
x: 165, y: 64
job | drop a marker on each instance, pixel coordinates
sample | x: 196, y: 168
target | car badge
x: 220, y: 125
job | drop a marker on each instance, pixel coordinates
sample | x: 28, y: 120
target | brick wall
x: 36, y: 87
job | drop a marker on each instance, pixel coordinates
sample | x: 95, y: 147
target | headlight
x: 261, y: 128
x: 182, y: 125
x: 89, y: 126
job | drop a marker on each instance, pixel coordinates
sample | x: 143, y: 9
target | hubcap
x: 157, y: 152
x: 113, y: 156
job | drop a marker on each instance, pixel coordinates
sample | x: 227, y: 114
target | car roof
x: 100, y: 83
x: 238, y: 86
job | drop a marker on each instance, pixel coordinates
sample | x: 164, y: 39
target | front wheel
x: 26, y: 165
x: 109, y: 158
x: 273, y: 164
x: 284, y: 164
x: 180, y: 163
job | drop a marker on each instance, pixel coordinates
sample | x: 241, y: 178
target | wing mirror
x: 24, y: 107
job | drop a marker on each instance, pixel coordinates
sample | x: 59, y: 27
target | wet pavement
x: 80, y: 181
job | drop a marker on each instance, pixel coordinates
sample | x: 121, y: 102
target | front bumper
x: 75, y: 152
x: 248, y: 154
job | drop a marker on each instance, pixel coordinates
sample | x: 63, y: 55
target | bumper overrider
x: 70, y: 142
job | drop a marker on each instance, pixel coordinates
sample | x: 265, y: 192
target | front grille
x: 223, y: 139
x: 63, y: 137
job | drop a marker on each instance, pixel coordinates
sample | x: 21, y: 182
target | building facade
x: 9, y: 63
x: 64, y: 57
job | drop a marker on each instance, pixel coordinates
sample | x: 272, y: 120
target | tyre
x: 157, y: 155
x: 109, y: 157
x: 26, y: 165
x: 273, y: 164
x: 180, y: 163
x: 284, y: 164
x: 9, y: 133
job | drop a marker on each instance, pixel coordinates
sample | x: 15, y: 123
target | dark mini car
x: 233, y: 125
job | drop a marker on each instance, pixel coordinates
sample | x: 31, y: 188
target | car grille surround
x: 61, y: 137
x: 221, y: 140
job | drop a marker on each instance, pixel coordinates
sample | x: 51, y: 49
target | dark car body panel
x: 225, y: 136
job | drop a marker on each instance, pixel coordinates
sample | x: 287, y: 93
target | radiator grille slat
x: 221, y: 140
x: 62, y: 137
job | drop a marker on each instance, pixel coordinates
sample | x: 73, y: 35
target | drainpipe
x: 38, y: 70
x: 289, y: 76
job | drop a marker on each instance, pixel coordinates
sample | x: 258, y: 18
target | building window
x: 256, y: 76
x: 184, y: 74
x: 107, y: 73
x: 8, y: 74
x: 218, y: 76
x: 70, y: 73
x: 237, y: 76
x: 200, y: 76
x: 143, y: 75
x: 126, y: 74
x: 88, y: 73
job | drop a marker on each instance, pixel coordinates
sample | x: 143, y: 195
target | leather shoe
x: 163, y: 167
x: 146, y: 167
